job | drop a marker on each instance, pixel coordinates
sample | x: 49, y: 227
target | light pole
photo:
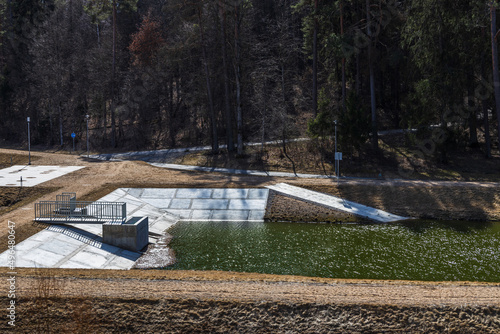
x: 336, y: 171
x: 29, y: 142
x: 87, y: 118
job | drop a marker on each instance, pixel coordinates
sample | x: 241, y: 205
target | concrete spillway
x: 336, y: 203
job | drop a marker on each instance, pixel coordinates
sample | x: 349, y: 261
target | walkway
x: 335, y: 203
x: 238, y: 171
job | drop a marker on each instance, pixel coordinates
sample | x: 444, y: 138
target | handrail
x: 84, y: 211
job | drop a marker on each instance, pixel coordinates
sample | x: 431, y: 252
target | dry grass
x: 8, y: 160
x: 442, y: 202
x: 55, y: 302
x: 392, y: 157
x: 13, y: 198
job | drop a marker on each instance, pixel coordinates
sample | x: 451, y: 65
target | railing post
x: 124, y: 212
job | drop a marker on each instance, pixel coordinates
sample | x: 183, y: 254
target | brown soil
x: 159, y: 301
x: 286, y: 209
x: 220, y: 302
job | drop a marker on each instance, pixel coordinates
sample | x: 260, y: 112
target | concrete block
x: 194, y: 193
x: 180, y: 204
x: 257, y: 215
x: 136, y: 192
x: 158, y: 193
x: 258, y: 193
x: 59, y: 247
x: 201, y: 215
x: 182, y: 214
x: 230, y: 193
x: 161, y: 203
x: 90, y: 259
x: 250, y: 204
x: 210, y: 204
x: 230, y: 215
x: 131, y: 235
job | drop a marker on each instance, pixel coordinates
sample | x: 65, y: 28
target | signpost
x: 73, y: 135
x: 338, y: 155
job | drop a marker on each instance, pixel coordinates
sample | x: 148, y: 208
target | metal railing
x: 67, y: 201
x: 73, y: 211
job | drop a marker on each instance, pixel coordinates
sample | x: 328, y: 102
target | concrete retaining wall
x: 131, y: 235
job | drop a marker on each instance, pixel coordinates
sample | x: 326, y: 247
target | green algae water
x: 416, y: 250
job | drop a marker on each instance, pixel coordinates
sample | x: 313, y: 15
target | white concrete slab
x: 200, y: 204
x: 230, y: 215
x: 68, y: 247
x: 257, y: 215
x: 193, y: 193
x: 155, y: 193
x: 180, y: 203
x: 210, y: 204
x: 336, y: 203
x: 32, y: 175
x: 230, y: 193
x: 247, y: 204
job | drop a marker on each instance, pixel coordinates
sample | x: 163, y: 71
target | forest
x: 177, y: 73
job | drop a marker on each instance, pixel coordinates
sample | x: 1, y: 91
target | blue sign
x: 73, y: 135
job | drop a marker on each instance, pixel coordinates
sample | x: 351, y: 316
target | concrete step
x: 335, y: 203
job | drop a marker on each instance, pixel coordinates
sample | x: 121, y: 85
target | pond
x: 411, y: 250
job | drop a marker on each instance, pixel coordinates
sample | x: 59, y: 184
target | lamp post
x: 29, y: 142
x: 336, y: 170
x: 87, y: 118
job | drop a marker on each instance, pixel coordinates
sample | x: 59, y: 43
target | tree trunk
x: 171, y: 125
x: 372, y: 79
x: 213, y: 121
x: 473, y: 141
x: 239, y: 117
x: 283, y: 92
x: 60, y: 125
x: 229, y: 122
x: 358, y: 74
x: 494, y: 54
x: 283, y: 145
x: 315, y: 60
x: 487, y: 136
x: 113, y: 72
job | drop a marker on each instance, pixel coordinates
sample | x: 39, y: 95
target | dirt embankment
x: 171, y: 315
x: 92, y: 301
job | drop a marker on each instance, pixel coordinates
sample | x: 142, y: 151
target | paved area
x: 32, y: 175
x: 335, y: 203
x: 206, y: 204
x: 61, y: 246
x: 238, y: 171
x: 168, y: 155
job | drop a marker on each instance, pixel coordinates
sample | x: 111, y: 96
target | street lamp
x: 336, y: 170
x: 87, y: 118
x: 29, y: 142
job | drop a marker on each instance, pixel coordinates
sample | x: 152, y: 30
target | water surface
x: 416, y: 250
